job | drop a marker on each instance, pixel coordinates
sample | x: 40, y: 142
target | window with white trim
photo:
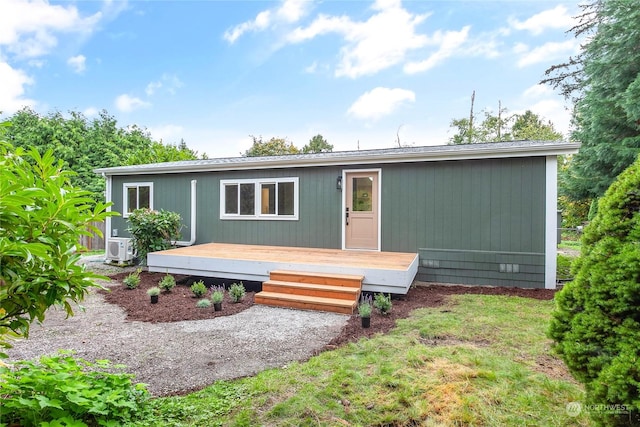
x: 271, y: 199
x: 136, y: 195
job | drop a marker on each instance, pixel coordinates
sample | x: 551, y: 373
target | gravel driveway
x: 181, y: 356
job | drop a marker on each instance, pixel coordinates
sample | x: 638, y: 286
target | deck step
x: 349, y: 280
x: 305, y: 302
x: 312, y: 289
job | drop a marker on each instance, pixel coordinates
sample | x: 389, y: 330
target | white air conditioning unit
x: 120, y: 249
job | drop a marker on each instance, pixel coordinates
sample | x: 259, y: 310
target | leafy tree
x: 273, y: 147
x: 42, y: 216
x: 502, y: 127
x: 604, y: 82
x: 317, y: 144
x: 85, y: 145
x: 596, y: 323
x: 153, y: 231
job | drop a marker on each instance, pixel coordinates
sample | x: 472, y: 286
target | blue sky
x: 361, y: 73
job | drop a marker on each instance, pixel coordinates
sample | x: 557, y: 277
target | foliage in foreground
x: 42, y: 217
x: 467, y: 363
x: 63, y: 390
x: 153, y: 231
x: 597, y: 321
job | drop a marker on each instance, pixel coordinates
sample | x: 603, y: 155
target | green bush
x: 132, y: 280
x: 237, y: 292
x: 153, y: 231
x: 217, y: 294
x: 364, y: 306
x: 203, y: 303
x: 596, y: 323
x: 62, y: 390
x: 382, y: 303
x: 42, y: 217
x: 167, y: 283
x: 198, y: 288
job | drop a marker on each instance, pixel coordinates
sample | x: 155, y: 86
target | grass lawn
x: 480, y: 360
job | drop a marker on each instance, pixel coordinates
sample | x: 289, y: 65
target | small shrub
x: 167, y: 283
x: 153, y: 231
x: 198, y: 288
x: 203, y: 303
x: 69, y: 391
x: 382, y: 303
x: 155, y: 291
x: 364, y: 306
x: 237, y: 292
x: 218, y: 294
x: 132, y: 280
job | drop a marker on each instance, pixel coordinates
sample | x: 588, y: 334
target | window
x: 137, y: 195
x: 259, y: 199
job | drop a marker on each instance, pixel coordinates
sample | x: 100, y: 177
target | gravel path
x: 181, y: 356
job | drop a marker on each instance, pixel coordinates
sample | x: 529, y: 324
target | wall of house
x: 472, y: 222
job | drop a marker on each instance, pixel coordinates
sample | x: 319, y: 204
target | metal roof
x: 360, y: 157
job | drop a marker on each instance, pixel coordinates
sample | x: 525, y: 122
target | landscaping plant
x: 42, y: 217
x: 203, y: 303
x: 217, y: 294
x: 153, y: 231
x: 364, y: 306
x: 198, y: 288
x: 382, y: 303
x: 167, y: 283
x: 132, y: 280
x: 596, y: 323
x: 63, y: 391
x: 237, y: 292
x: 154, y: 291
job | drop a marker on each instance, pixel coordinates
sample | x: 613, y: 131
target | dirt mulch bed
x: 179, y: 304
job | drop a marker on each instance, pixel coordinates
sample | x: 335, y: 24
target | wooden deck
x: 383, y: 271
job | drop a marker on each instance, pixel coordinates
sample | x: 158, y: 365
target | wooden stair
x: 338, y: 293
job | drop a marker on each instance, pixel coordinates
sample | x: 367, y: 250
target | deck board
x: 383, y: 271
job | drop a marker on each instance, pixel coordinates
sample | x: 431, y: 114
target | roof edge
x: 349, y: 158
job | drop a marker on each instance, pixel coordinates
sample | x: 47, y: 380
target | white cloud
x: 556, y: 18
x: 290, y: 11
x: 170, y: 82
x: 77, y: 63
x: 372, y: 45
x: 537, y: 91
x: 12, y: 88
x: 380, y: 102
x: 28, y: 28
x: 90, y: 112
x: 543, y: 101
x: 449, y: 43
x: 168, y: 133
x: 549, y: 52
x: 127, y: 103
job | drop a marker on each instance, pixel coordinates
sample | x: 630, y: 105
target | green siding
x: 477, y: 209
x: 469, y: 216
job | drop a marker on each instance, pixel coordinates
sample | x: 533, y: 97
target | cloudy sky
x: 361, y: 73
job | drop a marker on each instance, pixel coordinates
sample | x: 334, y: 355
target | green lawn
x: 481, y: 360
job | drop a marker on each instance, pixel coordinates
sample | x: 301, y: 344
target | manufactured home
x: 481, y: 214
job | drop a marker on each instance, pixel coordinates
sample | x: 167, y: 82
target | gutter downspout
x: 193, y: 217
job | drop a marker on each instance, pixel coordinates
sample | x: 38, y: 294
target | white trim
x: 125, y: 199
x: 258, y: 199
x: 551, y: 222
x: 193, y: 217
x: 107, y: 221
x: 344, y: 204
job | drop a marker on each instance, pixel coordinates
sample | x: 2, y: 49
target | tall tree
x: 273, y: 147
x: 317, y: 144
x: 503, y: 127
x: 604, y: 82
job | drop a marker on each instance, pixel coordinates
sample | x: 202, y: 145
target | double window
x: 137, y: 195
x: 259, y: 199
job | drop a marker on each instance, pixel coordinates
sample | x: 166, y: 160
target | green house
x: 482, y: 214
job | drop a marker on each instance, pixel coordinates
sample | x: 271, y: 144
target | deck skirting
x: 389, y: 272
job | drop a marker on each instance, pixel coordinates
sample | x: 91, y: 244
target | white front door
x: 361, y: 216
